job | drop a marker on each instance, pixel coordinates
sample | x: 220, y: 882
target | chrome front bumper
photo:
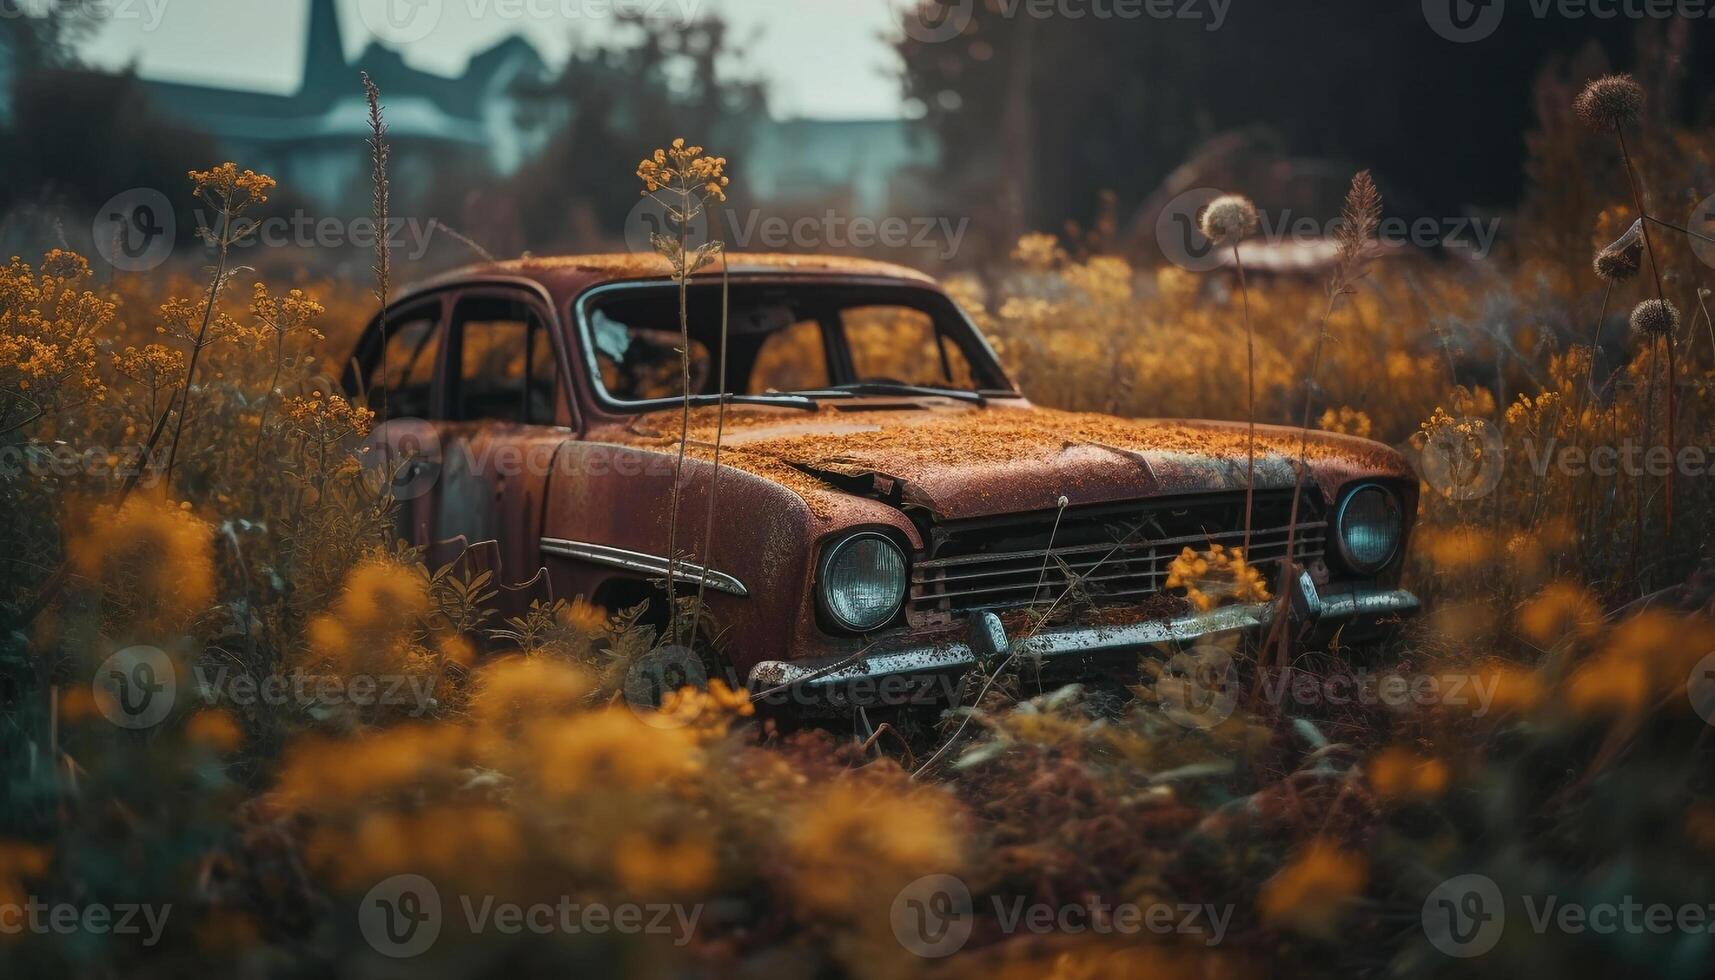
x: 1313, y: 609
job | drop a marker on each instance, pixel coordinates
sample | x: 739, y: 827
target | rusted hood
x: 966, y: 461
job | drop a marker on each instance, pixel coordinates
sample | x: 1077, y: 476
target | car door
x: 503, y: 413
x: 394, y: 372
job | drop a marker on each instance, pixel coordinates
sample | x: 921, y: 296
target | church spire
x: 324, y: 56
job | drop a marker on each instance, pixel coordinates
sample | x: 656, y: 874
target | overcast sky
x: 823, y: 58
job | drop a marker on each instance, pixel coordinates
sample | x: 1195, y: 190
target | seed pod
x: 1655, y: 318
x: 1228, y: 219
x: 1610, y: 102
x: 1622, y: 260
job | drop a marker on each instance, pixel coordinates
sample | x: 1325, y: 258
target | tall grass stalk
x: 1358, y: 222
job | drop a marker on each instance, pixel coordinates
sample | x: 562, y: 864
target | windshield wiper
x: 785, y: 401
x: 894, y: 388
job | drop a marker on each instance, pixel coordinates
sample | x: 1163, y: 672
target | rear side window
x: 402, y: 378
x: 505, y: 363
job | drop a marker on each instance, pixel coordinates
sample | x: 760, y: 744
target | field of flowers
x: 179, y: 474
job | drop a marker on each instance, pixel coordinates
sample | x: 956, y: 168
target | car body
x: 547, y: 390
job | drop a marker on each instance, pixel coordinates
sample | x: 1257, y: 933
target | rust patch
x: 971, y: 460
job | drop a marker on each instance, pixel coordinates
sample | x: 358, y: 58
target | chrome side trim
x: 955, y: 654
x: 637, y: 561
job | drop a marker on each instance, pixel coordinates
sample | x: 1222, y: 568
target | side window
x: 401, y: 379
x: 791, y: 359
x: 898, y: 343
x: 505, y: 361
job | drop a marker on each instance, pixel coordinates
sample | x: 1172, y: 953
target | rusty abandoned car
x: 888, y: 504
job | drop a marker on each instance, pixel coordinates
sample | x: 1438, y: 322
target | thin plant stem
x: 1635, y: 182
x: 1589, y: 388
x: 202, y: 338
x: 1250, y: 401
x: 684, y: 271
x: 720, y: 427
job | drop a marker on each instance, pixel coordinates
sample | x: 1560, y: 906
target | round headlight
x: 1369, y: 525
x: 863, y: 581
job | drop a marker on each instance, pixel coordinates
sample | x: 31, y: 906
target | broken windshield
x: 823, y: 339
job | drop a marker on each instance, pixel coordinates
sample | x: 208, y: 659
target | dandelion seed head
x: 1621, y: 260
x: 1228, y: 219
x: 1655, y: 317
x: 1610, y: 102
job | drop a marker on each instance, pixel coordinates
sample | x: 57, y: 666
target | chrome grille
x: 1119, y: 553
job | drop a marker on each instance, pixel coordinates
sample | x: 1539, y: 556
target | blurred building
x: 473, y: 124
x: 463, y: 134
x: 875, y: 167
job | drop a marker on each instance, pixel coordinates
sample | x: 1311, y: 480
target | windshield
x: 823, y: 339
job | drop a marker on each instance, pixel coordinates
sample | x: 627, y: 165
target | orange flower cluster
x: 684, y: 170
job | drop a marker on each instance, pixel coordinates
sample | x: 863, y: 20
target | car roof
x: 565, y: 276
